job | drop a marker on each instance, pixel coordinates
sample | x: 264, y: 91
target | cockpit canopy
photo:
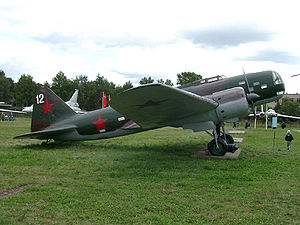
x: 276, y: 78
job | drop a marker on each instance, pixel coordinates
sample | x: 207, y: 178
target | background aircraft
x: 72, y: 103
x: 3, y: 104
x: 201, y: 106
x: 270, y: 113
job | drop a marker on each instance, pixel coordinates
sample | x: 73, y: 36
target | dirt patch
x: 236, y: 132
x: 205, y: 154
x: 14, y: 191
x: 238, y: 140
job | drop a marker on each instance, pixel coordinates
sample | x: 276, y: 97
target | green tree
x: 62, y: 86
x: 87, y: 92
x: 127, y: 85
x: 102, y: 85
x: 122, y: 88
x: 6, y: 88
x: 187, y: 77
x: 146, y: 80
x: 288, y: 107
x: 167, y: 82
x: 160, y: 81
x: 46, y: 84
x: 25, y: 90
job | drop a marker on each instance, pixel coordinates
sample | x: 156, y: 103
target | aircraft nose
x: 280, y: 89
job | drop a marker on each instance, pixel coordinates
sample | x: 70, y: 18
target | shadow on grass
x: 115, y: 145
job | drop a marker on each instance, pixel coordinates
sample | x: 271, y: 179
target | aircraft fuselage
x: 267, y: 86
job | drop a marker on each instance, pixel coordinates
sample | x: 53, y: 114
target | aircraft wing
x: 13, y: 111
x: 287, y: 116
x: 157, y: 105
x: 46, y: 134
x: 252, y: 114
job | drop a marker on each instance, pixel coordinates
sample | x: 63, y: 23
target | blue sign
x: 274, y: 122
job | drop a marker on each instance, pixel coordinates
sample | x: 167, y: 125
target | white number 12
x: 40, y: 99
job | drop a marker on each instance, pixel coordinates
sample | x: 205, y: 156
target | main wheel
x: 214, y: 150
x: 229, y: 138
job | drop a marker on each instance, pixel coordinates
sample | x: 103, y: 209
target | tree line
x: 288, y: 107
x: 22, y: 92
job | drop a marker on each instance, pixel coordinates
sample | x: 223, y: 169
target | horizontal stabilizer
x: 47, y: 133
x: 156, y: 105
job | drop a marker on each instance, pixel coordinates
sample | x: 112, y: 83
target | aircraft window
x: 209, y: 80
x: 279, y: 78
x: 280, y: 92
x: 264, y: 86
x: 255, y: 83
x: 274, y: 76
x: 242, y: 82
x: 212, y: 79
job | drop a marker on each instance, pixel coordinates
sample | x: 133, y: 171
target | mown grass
x: 149, y: 178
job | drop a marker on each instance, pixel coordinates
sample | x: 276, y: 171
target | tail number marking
x: 40, y: 99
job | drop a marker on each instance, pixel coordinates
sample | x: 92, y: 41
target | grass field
x: 148, y: 178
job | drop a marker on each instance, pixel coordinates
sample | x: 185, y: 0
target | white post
x: 255, y: 109
x: 266, y: 114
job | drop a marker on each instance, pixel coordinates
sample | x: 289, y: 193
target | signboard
x: 274, y: 122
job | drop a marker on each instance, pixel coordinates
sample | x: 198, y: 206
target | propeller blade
x: 250, y: 96
x: 295, y: 75
x: 247, y: 83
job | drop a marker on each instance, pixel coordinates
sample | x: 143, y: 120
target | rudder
x: 48, y: 109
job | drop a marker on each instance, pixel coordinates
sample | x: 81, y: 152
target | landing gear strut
x: 45, y: 142
x: 221, y: 143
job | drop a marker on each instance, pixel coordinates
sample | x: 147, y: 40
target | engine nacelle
x: 232, y: 103
x: 262, y: 114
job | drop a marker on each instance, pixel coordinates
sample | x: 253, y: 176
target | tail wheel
x: 214, y: 150
x: 229, y: 138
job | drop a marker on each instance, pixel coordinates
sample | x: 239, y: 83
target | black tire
x: 212, y: 147
x: 229, y: 138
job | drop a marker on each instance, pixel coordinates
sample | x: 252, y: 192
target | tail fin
x: 48, y: 109
x: 73, y: 99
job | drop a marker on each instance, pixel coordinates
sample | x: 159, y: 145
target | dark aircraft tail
x: 48, y: 109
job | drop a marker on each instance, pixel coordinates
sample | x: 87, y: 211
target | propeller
x: 262, y: 112
x: 250, y: 96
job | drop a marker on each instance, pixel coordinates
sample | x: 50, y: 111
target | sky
x: 127, y: 40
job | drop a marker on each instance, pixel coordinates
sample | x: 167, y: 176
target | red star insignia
x: 47, y: 107
x: 100, y: 123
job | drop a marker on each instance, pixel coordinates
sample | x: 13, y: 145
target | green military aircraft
x: 201, y: 106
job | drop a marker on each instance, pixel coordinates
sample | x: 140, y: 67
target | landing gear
x: 45, y: 142
x: 228, y: 138
x: 219, y: 149
x: 221, y: 143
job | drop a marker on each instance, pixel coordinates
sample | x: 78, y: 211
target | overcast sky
x: 127, y: 40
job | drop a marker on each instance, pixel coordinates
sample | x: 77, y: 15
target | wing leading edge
x: 157, y: 105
